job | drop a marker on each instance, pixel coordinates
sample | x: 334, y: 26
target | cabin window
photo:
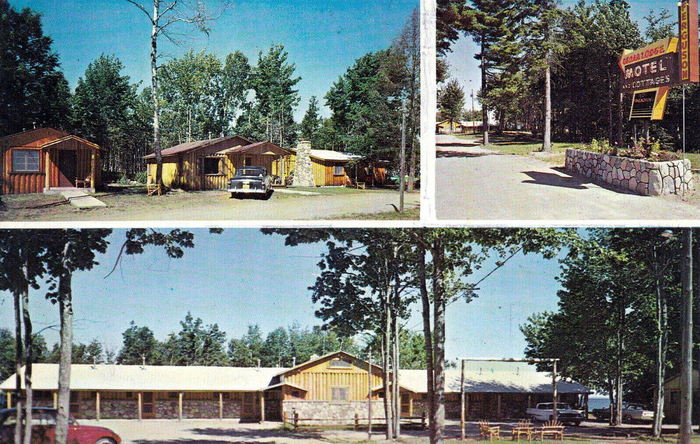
x: 296, y: 394
x: 25, y: 161
x: 339, y: 363
x: 248, y: 161
x: 339, y: 393
x: 339, y: 170
x: 211, y: 165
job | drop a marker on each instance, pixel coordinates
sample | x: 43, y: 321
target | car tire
x: 627, y: 419
x: 105, y: 441
x: 577, y: 423
x: 267, y: 195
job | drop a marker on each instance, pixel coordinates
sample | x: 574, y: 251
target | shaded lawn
x: 408, y: 214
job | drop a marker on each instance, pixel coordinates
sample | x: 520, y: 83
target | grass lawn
x: 523, y: 145
x: 408, y: 214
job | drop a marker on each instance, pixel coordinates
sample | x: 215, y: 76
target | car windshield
x: 39, y: 418
x: 250, y: 172
x: 560, y: 406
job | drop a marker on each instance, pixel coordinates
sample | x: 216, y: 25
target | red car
x: 44, y: 429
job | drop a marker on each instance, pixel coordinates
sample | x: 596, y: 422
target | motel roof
x: 151, y: 378
x: 491, y: 377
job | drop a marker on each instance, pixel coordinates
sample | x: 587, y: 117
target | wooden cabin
x: 47, y: 159
x: 330, y: 388
x: 209, y: 164
x: 672, y: 399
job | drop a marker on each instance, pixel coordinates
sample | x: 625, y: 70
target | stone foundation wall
x: 332, y: 411
x: 639, y: 176
x: 118, y: 408
x: 199, y: 408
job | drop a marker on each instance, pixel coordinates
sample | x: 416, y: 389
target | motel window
x: 211, y: 165
x: 227, y: 396
x: 129, y: 395
x: 25, y: 161
x: 339, y: 393
x: 339, y: 363
x: 172, y: 395
x: 339, y: 170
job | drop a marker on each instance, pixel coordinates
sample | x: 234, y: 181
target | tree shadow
x: 448, y: 154
x: 569, y: 181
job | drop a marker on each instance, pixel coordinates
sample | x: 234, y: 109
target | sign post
x: 688, y: 51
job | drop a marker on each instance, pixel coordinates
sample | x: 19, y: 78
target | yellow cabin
x: 210, y: 164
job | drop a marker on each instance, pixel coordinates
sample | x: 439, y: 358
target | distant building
x: 332, y: 386
x: 672, y: 399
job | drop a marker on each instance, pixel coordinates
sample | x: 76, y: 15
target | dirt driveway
x: 476, y: 184
x: 325, y: 203
x: 231, y: 431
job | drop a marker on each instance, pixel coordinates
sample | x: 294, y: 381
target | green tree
x: 312, y: 121
x: 103, y: 111
x: 190, y: 89
x: 270, y: 117
x: 246, y: 351
x: 452, y: 102
x: 33, y: 91
x: 138, y: 345
x: 7, y: 352
x: 234, y: 87
x: 197, y: 344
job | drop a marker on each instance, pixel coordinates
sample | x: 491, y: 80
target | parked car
x: 44, y: 429
x: 631, y: 412
x: 544, y: 412
x: 251, y: 180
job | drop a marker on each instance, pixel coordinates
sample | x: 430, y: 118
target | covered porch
x: 71, y: 162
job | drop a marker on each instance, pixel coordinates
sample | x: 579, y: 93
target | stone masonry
x: 639, y: 176
x: 303, y: 173
x: 332, y: 411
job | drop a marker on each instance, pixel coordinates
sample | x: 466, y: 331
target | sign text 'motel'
x: 652, y: 66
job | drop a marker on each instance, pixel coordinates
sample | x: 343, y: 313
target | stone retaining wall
x: 332, y: 411
x: 639, y: 176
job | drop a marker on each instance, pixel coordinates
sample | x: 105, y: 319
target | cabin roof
x: 333, y: 155
x: 194, y: 145
x: 42, y: 138
x: 267, y: 148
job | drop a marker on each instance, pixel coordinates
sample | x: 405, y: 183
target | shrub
x: 141, y: 177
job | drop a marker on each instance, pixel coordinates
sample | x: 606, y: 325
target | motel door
x: 67, y: 168
x: 148, y: 406
x: 248, y: 409
x: 405, y: 404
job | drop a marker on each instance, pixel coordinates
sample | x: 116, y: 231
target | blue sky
x: 323, y: 38
x: 465, y: 68
x: 243, y: 277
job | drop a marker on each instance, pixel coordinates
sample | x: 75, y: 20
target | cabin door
x: 67, y: 168
x: 148, y: 406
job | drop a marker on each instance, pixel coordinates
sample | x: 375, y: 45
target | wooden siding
x: 320, y: 378
x: 187, y: 172
x: 35, y: 182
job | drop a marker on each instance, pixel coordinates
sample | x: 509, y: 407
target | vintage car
x: 565, y: 414
x: 44, y: 429
x: 251, y: 180
x: 631, y: 412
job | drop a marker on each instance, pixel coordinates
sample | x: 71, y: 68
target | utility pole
x: 686, y: 426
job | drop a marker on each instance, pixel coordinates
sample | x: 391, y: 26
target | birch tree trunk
x: 28, y: 350
x: 484, y: 108
x: 547, y: 143
x: 661, y: 347
x: 154, y: 93
x: 19, y: 346
x: 428, y: 334
x: 65, y: 303
x: 439, y: 342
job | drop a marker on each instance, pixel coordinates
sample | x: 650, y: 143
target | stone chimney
x: 303, y: 175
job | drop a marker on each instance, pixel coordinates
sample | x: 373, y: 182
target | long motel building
x: 334, y: 386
